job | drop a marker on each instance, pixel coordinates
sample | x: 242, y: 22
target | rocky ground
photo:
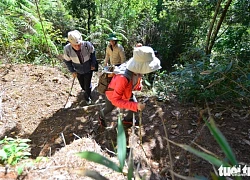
x: 32, y: 106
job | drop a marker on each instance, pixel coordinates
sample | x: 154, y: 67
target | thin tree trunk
x: 44, y: 33
x: 212, y: 25
x: 89, y: 14
x: 218, y: 26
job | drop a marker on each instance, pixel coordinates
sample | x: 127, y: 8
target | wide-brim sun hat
x: 75, y: 37
x: 113, y: 37
x: 143, y: 61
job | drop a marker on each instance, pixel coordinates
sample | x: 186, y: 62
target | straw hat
x: 143, y: 61
x: 75, y: 37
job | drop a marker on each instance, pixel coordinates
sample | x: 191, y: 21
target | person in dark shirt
x: 79, y: 57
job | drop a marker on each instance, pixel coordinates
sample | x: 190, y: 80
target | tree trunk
x: 89, y: 14
x: 212, y: 25
x: 44, y: 33
x: 215, y: 32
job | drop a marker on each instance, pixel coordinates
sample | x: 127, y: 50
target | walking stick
x: 65, y: 106
x: 140, y: 118
x: 140, y: 121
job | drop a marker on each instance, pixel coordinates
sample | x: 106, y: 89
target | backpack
x: 104, y: 80
x: 106, y: 77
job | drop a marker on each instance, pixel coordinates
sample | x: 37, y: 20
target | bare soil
x: 32, y: 105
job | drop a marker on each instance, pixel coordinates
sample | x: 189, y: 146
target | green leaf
x: 20, y: 149
x: 41, y: 159
x: 215, y: 177
x: 229, y: 66
x: 10, y: 139
x: 26, y: 154
x: 97, y: 158
x: 130, y: 165
x: 221, y: 140
x: 23, y: 145
x: 24, y: 140
x: 3, y: 154
x: 121, y: 143
x: 18, y: 154
x: 20, y: 170
x: 11, y: 159
x: 147, y: 82
x: 213, y: 160
x: 24, y: 165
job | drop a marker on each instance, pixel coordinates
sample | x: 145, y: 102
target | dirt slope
x: 32, y: 106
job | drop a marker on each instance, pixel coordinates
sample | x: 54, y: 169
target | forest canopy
x: 203, y: 45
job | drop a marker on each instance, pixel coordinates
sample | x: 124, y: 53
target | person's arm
x: 69, y: 65
x: 119, y: 89
x: 107, y: 57
x: 122, y: 54
x: 91, y: 51
x: 93, y: 60
x: 67, y: 60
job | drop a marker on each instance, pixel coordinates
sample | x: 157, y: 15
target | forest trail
x: 32, y: 106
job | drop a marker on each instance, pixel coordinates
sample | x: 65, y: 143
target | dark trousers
x: 85, y: 83
x: 109, y: 107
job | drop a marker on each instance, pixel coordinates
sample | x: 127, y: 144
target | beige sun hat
x: 143, y: 61
x: 75, y: 37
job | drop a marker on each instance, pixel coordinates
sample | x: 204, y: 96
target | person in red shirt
x: 119, y: 93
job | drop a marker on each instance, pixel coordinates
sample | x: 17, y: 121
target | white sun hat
x: 75, y: 37
x: 143, y: 61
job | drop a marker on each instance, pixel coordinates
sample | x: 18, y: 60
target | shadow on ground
x: 66, y: 125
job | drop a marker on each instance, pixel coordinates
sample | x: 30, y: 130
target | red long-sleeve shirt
x: 122, y: 90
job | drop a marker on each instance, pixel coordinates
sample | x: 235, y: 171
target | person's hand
x: 92, y: 68
x: 141, y: 106
x: 74, y: 74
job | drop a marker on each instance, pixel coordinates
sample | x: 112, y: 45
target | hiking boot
x: 102, y: 122
x: 88, y: 101
x: 129, y: 123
